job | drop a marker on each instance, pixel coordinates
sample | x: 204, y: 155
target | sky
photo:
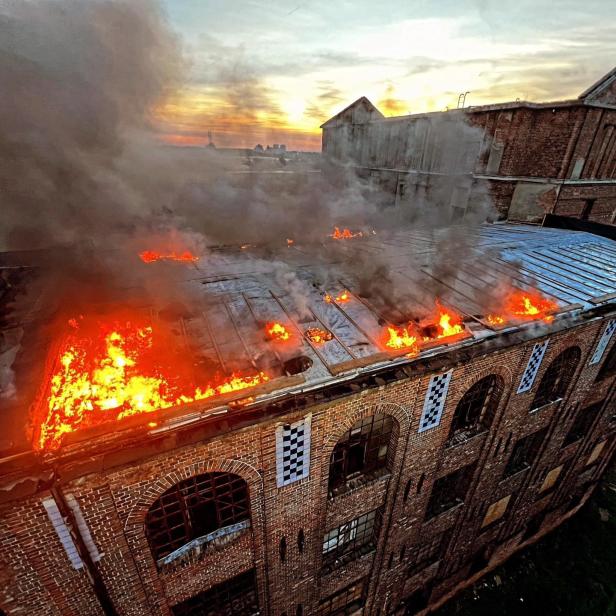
x: 261, y: 71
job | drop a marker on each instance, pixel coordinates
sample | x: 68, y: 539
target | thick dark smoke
x: 80, y: 79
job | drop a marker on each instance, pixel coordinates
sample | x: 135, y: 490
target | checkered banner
x: 435, y: 401
x: 293, y: 452
x: 609, y: 330
x: 532, y: 367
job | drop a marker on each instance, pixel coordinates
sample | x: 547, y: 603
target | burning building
x: 532, y: 159
x: 249, y: 452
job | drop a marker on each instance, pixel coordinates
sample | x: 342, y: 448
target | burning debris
x: 111, y: 370
x: 520, y: 306
x: 345, y: 234
x: 150, y: 256
x: 444, y: 323
x: 277, y: 332
x: 344, y: 297
x: 316, y: 335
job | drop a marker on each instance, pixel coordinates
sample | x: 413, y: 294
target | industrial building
x: 357, y: 478
x: 528, y: 159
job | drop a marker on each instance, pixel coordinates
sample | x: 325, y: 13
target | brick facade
x: 115, y: 491
x: 527, y: 159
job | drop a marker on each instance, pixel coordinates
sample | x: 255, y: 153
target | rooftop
x: 225, y: 326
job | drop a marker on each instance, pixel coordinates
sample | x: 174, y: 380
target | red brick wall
x: 38, y: 578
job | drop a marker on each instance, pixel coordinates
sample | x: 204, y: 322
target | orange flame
x: 317, y: 335
x: 290, y: 242
x: 345, y: 234
x: 521, y: 305
x: 150, y: 256
x: 449, y: 323
x: 277, y: 332
x: 112, y: 375
x: 402, y: 338
x: 342, y: 298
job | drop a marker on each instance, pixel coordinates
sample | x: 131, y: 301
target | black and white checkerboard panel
x: 293, y: 452
x: 609, y: 330
x: 532, y: 367
x: 435, y: 401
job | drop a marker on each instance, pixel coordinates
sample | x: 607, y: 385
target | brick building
x: 356, y: 481
x: 529, y: 158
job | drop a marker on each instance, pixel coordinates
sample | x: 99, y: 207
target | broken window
x: 476, y: 409
x: 194, y: 508
x: 582, y: 423
x: 344, y: 602
x: 361, y: 452
x: 608, y: 368
x: 450, y: 490
x: 524, y: 452
x: 352, y: 539
x: 557, y: 378
x: 234, y: 597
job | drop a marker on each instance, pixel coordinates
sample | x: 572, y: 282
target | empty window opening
x: 300, y: 540
x: 608, y: 368
x: 557, y: 377
x: 421, y: 482
x: 282, y: 549
x: 475, y: 411
x: 361, y: 453
x: 194, y: 508
x: 234, y: 597
x: 449, y: 491
x: 587, y: 208
x: 352, y: 539
x: 582, y: 423
x: 525, y: 452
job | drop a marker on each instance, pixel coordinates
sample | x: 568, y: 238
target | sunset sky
x: 272, y: 72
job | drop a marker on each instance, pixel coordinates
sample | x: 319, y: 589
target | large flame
x: 150, y: 256
x: 114, y: 373
x: 277, y: 332
x: 520, y: 305
x: 402, y: 338
x: 443, y: 323
x: 345, y: 234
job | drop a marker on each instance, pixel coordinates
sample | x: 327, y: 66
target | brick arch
x: 503, y: 372
x: 158, y: 486
x: 134, y: 526
x: 398, y: 412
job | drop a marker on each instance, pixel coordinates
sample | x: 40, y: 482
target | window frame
x: 352, y: 539
x: 332, y: 606
x: 529, y: 444
x: 374, y: 435
x: 557, y: 378
x: 239, y: 591
x: 461, y: 429
x: 171, y: 521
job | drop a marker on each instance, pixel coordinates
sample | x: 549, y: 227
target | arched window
x: 362, y: 452
x: 195, y: 508
x: 557, y: 377
x: 476, y: 409
x: 608, y: 367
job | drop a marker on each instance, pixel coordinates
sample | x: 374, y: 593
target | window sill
x: 460, y: 440
x: 359, y: 482
x: 546, y: 405
x: 442, y: 514
x: 345, y: 559
x: 197, y: 548
x: 514, y: 474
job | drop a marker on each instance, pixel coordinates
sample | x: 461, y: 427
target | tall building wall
x: 422, y: 551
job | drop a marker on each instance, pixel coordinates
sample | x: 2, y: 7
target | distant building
x: 530, y: 158
x: 259, y: 148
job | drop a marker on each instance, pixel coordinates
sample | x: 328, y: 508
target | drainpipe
x: 100, y: 590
